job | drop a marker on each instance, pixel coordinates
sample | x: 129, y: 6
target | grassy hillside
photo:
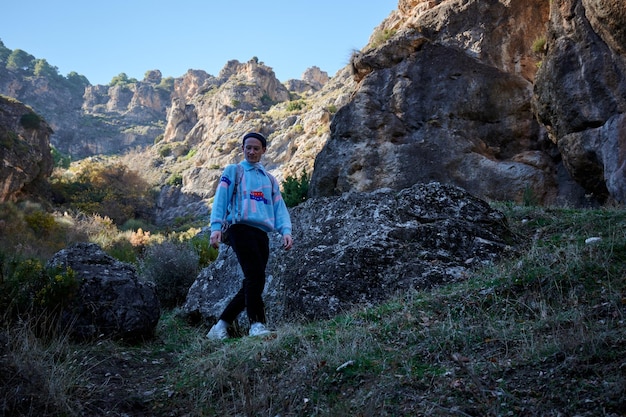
x: 541, y: 334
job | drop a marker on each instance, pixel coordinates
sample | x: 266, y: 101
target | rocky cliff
x: 453, y: 96
x: 446, y: 98
x: 509, y: 100
x: 580, y: 92
x: 25, y: 158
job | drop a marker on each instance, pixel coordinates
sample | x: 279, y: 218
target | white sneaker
x: 219, y: 331
x: 258, y: 329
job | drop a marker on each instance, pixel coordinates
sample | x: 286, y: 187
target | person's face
x: 253, y: 150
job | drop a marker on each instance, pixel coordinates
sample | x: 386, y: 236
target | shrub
x: 30, y: 289
x: 165, y: 151
x: 60, y: 160
x: 539, y: 45
x: 173, y: 268
x: 30, y: 121
x: 122, y: 80
x: 166, y: 84
x: 20, y: 60
x: 41, y: 222
x: 295, y: 191
x: 123, y: 250
x: 112, y: 191
x: 529, y: 197
x: 295, y: 105
x: 381, y: 37
x: 206, y: 252
x: 266, y: 100
x: 175, y: 179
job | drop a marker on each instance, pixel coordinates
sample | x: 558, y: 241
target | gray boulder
x: 361, y: 248
x: 111, y: 300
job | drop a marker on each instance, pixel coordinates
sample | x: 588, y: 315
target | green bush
x: 166, y: 84
x: 295, y: 191
x: 43, y: 69
x: 296, y: 105
x: 123, y: 251
x: 165, y: 151
x: 539, y: 45
x: 173, y: 268
x: 122, y: 80
x: 41, y: 222
x: 20, y: 60
x: 206, y: 252
x: 30, y: 289
x: 382, y: 36
x: 30, y: 121
x: 60, y: 160
x: 175, y: 179
x: 112, y: 191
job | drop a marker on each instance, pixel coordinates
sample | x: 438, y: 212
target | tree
x: 43, y: 69
x: 76, y: 81
x: 20, y: 60
x: 166, y: 84
x: 4, y: 53
x: 122, y: 80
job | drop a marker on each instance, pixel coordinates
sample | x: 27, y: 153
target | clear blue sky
x: 101, y: 39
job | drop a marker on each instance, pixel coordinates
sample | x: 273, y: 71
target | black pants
x: 251, y: 245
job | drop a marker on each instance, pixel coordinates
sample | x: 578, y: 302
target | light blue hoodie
x: 258, y: 202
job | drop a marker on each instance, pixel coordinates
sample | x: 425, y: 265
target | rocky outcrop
x: 172, y: 203
x: 120, y: 117
x: 245, y: 97
x: 580, y: 92
x: 362, y: 248
x: 446, y: 98
x: 111, y: 300
x: 25, y: 158
x: 313, y: 80
x: 445, y: 90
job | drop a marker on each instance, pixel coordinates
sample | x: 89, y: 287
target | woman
x: 255, y: 210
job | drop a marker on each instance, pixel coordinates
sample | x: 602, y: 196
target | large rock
x: 580, y: 92
x: 361, y: 248
x: 25, y: 158
x: 111, y: 300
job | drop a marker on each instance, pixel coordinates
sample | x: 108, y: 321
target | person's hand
x: 216, y: 238
x: 287, y: 242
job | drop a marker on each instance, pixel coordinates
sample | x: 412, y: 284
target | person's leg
x: 236, y: 305
x: 252, y: 248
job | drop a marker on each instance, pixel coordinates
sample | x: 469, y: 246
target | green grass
x: 539, y: 334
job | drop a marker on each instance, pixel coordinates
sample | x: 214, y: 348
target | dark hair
x: 256, y: 136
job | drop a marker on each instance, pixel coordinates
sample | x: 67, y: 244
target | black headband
x: 256, y: 136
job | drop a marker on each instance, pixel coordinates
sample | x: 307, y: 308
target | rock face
x: 580, y: 92
x: 90, y: 120
x: 444, y: 91
x: 111, y: 301
x: 25, y: 157
x: 361, y: 248
x: 446, y: 98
